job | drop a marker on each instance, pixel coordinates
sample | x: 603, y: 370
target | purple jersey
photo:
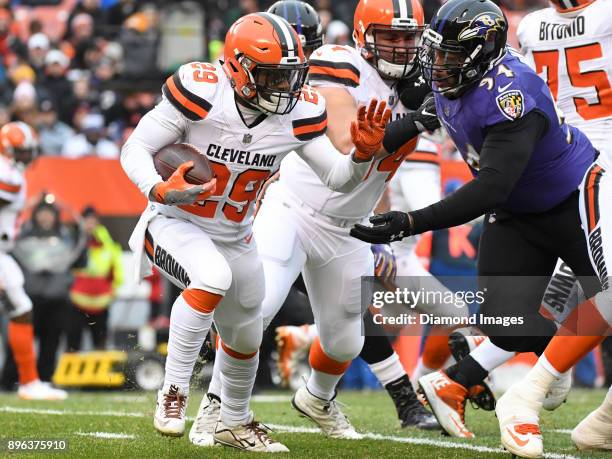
x: 508, y: 92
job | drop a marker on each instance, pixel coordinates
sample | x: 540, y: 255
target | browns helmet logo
x: 485, y: 25
x: 511, y: 104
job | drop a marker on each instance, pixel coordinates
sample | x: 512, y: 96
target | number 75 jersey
x: 573, y: 54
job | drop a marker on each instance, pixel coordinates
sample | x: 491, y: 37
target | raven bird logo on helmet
x: 18, y: 142
x: 466, y: 38
x: 265, y: 63
x: 304, y: 20
x: 484, y: 25
x: 387, y: 33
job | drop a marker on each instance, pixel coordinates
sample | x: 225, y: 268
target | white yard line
x: 107, y: 435
x: 561, y: 431
x: 292, y: 429
x: 16, y: 409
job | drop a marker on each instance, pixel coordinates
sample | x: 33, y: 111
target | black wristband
x: 398, y: 132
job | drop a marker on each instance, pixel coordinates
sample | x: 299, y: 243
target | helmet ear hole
x: 238, y: 77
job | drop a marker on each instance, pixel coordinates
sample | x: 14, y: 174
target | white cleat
x: 557, y: 394
x: 325, y: 413
x: 446, y: 398
x: 594, y: 432
x: 252, y: 436
x: 202, y: 430
x: 38, y: 390
x: 519, y: 424
x: 169, y: 416
x: 292, y: 344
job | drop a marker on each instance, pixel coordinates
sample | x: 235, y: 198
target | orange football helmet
x: 265, y: 62
x: 18, y: 142
x: 383, y: 17
x: 565, y: 6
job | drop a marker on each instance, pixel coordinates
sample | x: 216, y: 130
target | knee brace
x: 212, y: 274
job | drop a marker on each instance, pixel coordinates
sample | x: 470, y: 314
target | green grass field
x: 86, y: 421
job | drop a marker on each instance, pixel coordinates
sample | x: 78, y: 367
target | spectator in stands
x: 46, y: 250
x: 92, y: 9
x: 117, y: 14
x: 140, y: 39
x: 82, y: 39
x: 24, y: 103
x: 10, y: 45
x: 94, y: 286
x: 91, y: 140
x: 52, y: 132
x: 38, y: 46
x: 56, y: 86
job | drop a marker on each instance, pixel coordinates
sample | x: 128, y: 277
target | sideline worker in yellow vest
x: 94, y: 286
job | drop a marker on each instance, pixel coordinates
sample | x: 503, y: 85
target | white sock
x: 388, y: 370
x: 188, y: 329
x: 490, y: 356
x: 322, y: 385
x: 237, y: 380
x: 534, y: 386
x: 215, y: 383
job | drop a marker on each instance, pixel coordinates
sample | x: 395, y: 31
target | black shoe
x: 480, y: 396
x: 410, y: 411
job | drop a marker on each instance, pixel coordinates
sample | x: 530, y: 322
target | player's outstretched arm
x: 403, y: 130
x: 504, y: 155
x: 341, y: 172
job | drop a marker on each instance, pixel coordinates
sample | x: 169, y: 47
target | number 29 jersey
x: 573, y: 54
x: 199, y: 106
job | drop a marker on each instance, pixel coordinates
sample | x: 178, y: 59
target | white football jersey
x: 573, y: 54
x: 199, y: 108
x: 12, y: 191
x: 343, y: 66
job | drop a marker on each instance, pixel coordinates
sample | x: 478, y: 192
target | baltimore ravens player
x: 246, y: 115
x: 527, y: 165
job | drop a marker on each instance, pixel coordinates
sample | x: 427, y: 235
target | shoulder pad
x: 599, y: 18
x: 191, y: 89
x: 336, y: 64
x: 505, y: 94
x: 522, y: 31
x: 309, y: 117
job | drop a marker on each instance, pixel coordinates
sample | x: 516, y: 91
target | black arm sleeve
x: 398, y: 132
x: 505, y: 152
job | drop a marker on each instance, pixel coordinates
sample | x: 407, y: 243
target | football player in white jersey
x: 315, y: 238
x: 245, y: 115
x: 570, y: 45
x: 18, y: 146
x: 377, y: 351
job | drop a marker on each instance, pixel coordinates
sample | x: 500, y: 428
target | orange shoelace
x: 524, y: 429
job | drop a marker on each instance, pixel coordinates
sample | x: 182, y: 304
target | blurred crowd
x: 84, y: 72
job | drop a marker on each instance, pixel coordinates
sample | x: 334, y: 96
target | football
x: 169, y: 158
